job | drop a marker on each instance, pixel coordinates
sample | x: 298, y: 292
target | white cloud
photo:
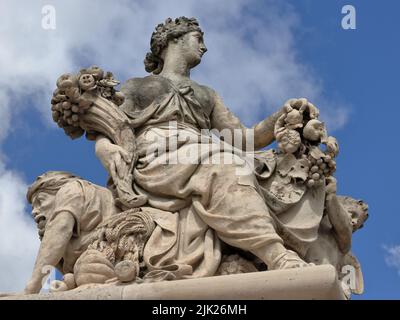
x: 392, y: 257
x: 19, y: 241
x: 252, y: 62
x: 252, y: 59
x: 4, y: 114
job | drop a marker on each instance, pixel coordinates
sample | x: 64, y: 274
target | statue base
x: 311, y: 283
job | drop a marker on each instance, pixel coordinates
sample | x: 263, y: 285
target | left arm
x: 339, y: 218
x: 263, y: 132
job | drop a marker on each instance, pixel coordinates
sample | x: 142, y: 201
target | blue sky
x: 361, y: 66
x: 351, y: 75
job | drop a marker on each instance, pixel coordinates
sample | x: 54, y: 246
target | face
x: 359, y: 214
x: 42, y: 204
x: 192, y: 48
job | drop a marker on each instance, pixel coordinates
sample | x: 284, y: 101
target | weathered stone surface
x: 181, y: 204
x: 319, y: 282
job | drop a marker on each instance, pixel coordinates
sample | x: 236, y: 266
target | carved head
x: 183, y: 35
x: 41, y: 194
x: 357, y: 210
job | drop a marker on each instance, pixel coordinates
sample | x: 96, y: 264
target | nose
x: 203, y: 49
x: 35, y: 212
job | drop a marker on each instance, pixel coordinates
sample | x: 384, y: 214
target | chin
x: 194, y: 61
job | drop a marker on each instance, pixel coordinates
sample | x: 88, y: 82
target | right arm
x: 55, y: 240
x: 113, y: 157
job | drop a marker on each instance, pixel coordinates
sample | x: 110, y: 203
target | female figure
x: 208, y: 200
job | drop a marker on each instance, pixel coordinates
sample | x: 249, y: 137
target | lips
x: 42, y: 223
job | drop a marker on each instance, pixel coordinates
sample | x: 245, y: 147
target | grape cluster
x: 299, y: 132
x: 66, y: 110
x: 320, y: 168
x: 68, y: 104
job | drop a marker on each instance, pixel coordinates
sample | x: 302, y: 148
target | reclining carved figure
x: 67, y: 209
x: 84, y: 234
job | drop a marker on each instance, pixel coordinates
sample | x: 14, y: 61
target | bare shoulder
x: 210, y: 91
x: 205, y: 93
x: 140, y: 92
x: 139, y: 84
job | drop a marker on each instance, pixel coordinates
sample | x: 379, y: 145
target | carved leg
x: 239, y: 215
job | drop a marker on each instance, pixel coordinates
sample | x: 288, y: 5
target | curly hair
x: 164, y: 32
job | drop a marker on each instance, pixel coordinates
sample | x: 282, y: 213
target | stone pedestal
x: 319, y: 282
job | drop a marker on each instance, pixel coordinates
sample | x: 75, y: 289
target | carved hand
x: 331, y: 187
x: 302, y: 105
x: 113, y: 157
x: 33, y: 287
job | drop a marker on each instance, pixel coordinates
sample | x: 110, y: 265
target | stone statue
x: 167, y: 216
x: 67, y: 210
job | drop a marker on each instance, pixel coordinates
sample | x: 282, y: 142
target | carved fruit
x: 125, y: 271
x: 55, y: 115
x: 69, y: 280
x: 310, y: 183
x: 75, y: 108
x: 58, y: 286
x: 73, y: 93
x: 96, y: 72
x: 66, y: 81
x: 66, y: 105
x: 295, y: 119
x: 314, y: 169
x: 314, y: 130
x: 119, y: 98
x: 315, y: 176
x: 60, y: 97
x: 87, y: 81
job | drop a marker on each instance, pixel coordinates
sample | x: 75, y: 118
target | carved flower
x: 87, y: 82
x: 108, y: 82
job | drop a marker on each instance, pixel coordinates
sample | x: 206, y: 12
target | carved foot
x: 288, y: 260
